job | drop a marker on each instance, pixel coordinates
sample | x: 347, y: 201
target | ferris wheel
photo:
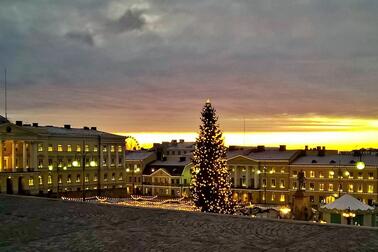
x: 131, y: 143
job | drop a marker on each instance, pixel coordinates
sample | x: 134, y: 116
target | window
x: 273, y: 197
x: 40, y: 180
x: 105, y: 177
x: 78, y: 178
x: 264, y: 183
x: 282, y: 170
x: 312, y: 187
x: 40, y: 147
x: 112, y: 148
x: 282, y: 198
x: 95, y: 148
x: 31, y: 181
x: 50, y: 148
x: 49, y: 179
x: 273, y: 183
x: 86, y: 179
x: 294, y: 185
x: 119, y: 148
x: 86, y: 148
x: 60, y: 179
x: 321, y: 175
x: 360, y: 188
x: 95, y: 177
x: 69, y: 148
x: 360, y: 175
x: 321, y: 187
x: 350, y: 188
x: 40, y: 163
x: 330, y: 174
x: 120, y: 177
x: 295, y: 174
x: 104, y: 149
x: 78, y: 148
x: 370, y: 188
x: 60, y: 163
x: 69, y: 179
x: 330, y: 187
x: 371, y: 176
x: 113, y: 176
x: 312, y: 174
x: 112, y: 162
x: 60, y: 148
x: 272, y: 171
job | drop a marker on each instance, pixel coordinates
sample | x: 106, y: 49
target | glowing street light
x: 360, y: 165
x: 92, y: 163
x: 75, y: 163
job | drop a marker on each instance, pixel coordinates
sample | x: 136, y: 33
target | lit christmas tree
x: 210, y: 184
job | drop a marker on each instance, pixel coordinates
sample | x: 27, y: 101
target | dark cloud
x: 129, y: 21
x: 82, y: 37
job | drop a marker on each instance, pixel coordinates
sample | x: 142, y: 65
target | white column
x: 45, y: 154
x: 35, y: 155
x: 116, y: 156
x: 109, y: 156
x: 248, y: 176
x: 236, y: 179
x: 1, y: 156
x: 24, y: 165
x: 256, y: 178
x: 13, y: 156
x: 101, y: 157
x: 123, y: 165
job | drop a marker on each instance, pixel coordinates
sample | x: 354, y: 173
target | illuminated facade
x: 48, y: 160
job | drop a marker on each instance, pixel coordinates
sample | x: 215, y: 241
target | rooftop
x: 344, y: 160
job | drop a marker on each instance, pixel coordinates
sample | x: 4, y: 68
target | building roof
x: 3, y: 120
x: 138, y: 155
x: 182, y: 145
x: 344, y: 160
x: 346, y: 202
x: 173, y: 167
x: 269, y: 154
x: 71, y: 132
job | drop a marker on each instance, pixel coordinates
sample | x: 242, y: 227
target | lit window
x: 119, y: 148
x: 330, y: 174
x: 282, y: 170
x: 282, y: 198
x: 370, y: 188
x: 40, y: 180
x: 50, y: 148
x: 295, y: 174
x: 86, y: 148
x: 78, y: 148
x: 104, y: 149
x: 95, y: 148
x: 112, y: 162
x: 330, y: 187
x: 272, y: 171
x: 105, y: 177
x: 69, y: 147
x: 350, y: 188
x: 112, y: 148
x: 264, y: 183
x: 321, y: 175
x: 273, y: 183
x: 371, y: 176
x: 312, y: 174
x: 69, y: 179
x: 360, y: 175
x: 77, y: 178
x: 87, y: 178
x: 120, y: 176
x: 31, y: 181
x: 69, y: 162
x: 60, y: 179
x: 95, y: 177
x: 60, y: 147
x: 273, y: 197
x: 294, y: 185
x: 113, y: 176
x: 40, y: 147
x: 49, y: 180
x: 40, y: 163
x: 321, y: 187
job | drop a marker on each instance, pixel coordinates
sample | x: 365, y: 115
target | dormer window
x: 314, y: 161
x: 332, y: 162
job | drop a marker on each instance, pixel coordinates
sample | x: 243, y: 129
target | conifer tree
x: 210, y: 183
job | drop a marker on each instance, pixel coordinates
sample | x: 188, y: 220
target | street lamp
x: 349, y: 215
x: 266, y: 184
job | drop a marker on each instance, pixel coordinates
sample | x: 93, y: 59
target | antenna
x: 5, y: 93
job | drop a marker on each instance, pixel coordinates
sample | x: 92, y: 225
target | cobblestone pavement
x: 34, y: 224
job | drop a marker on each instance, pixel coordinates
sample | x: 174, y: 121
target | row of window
x: 78, y: 148
x: 331, y: 187
x: 64, y: 163
x: 331, y: 174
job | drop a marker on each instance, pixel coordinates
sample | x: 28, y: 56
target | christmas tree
x: 210, y: 184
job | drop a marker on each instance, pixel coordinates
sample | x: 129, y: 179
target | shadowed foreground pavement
x: 33, y: 224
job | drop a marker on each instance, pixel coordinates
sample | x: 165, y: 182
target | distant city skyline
x: 149, y: 65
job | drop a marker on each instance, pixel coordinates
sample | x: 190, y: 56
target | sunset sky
x: 295, y: 71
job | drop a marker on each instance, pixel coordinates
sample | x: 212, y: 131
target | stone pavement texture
x: 35, y: 224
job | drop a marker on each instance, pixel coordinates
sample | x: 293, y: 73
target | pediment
x: 240, y: 160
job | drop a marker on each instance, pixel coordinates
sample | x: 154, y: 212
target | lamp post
x: 266, y: 184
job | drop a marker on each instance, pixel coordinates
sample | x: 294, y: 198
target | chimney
x: 324, y: 148
x: 318, y: 148
x: 93, y: 128
x: 260, y: 148
x: 182, y: 140
x: 86, y: 128
x: 182, y: 159
x: 306, y: 148
x: 174, y: 142
x: 19, y: 123
x: 67, y: 126
x: 282, y: 147
x: 35, y: 124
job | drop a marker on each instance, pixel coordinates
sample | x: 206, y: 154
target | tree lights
x: 210, y: 183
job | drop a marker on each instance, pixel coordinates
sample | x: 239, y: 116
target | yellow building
x: 260, y: 174
x: 43, y: 160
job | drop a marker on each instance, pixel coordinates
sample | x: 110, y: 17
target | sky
x: 132, y: 66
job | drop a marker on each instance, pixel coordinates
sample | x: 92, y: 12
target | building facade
x: 51, y: 160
